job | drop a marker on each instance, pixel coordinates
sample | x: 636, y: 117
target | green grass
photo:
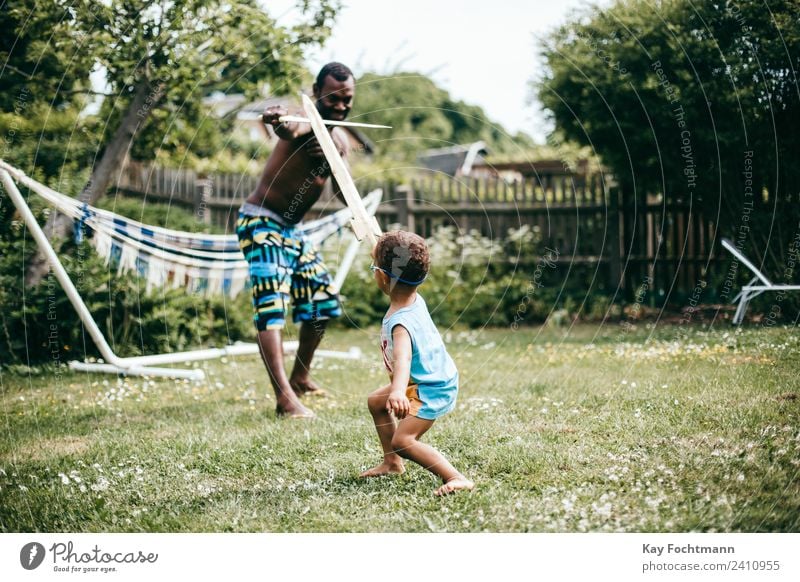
x: 587, y: 429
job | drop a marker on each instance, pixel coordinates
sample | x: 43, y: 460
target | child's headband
x: 393, y: 276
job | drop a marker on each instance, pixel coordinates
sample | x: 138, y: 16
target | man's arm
x: 401, y: 372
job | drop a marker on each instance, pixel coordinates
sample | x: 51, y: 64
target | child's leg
x: 384, y: 424
x: 406, y: 444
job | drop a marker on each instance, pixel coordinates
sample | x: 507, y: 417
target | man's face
x: 335, y: 98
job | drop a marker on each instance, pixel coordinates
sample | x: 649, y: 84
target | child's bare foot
x: 385, y: 469
x: 307, y: 387
x: 293, y: 410
x: 459, y: 483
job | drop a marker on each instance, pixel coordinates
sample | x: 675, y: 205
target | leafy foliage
x: 157, y: 214
x: 39, y: 325
x: 697, y: 101
x: 423, y: 116
x: 181, y: 51
x: 477, y: 281
x: 44, y: 59
x: 174, y: 53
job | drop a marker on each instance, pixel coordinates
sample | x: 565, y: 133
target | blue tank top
x: 431, y: 365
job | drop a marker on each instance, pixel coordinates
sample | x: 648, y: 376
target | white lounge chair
x: 750, y: 290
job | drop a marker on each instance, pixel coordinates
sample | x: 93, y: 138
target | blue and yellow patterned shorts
x: 284, y: 264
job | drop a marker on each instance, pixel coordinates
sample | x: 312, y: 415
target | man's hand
x: 286, y: 130
x: 313, y: 148
x: 398, y: 404
x: 271, y: 115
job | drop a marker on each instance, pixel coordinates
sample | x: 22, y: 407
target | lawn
x: 591, y: 428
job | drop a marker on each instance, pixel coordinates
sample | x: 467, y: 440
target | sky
x: 484, y: 53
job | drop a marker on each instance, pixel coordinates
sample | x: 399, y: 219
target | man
x: 282, y: 264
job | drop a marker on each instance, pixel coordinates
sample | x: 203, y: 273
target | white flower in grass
x: 102, y: 484
x: 603, y: 510
x: 204, y: 489
x: 64, y: 478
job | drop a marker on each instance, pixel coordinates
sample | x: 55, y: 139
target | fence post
x: 403, y: 202
x: 203, y: 190
x: 614, y: 236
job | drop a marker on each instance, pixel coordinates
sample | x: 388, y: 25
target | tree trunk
x: 58, y: 226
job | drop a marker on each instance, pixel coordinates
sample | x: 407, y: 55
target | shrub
x: 474, y: 281
x: 39, y: 325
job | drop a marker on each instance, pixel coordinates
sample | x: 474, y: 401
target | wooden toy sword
x: 364, y: 225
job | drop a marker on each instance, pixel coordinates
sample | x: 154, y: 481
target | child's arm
x: 397, y: 402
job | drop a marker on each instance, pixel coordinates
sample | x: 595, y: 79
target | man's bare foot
x: 385, y: 469
x: 307, y: 387
x: 459, y: 483
x: 293, y: 411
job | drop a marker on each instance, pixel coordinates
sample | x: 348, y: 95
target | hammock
x: 198, y: 262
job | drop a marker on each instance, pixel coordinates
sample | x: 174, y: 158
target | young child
x: 424, y: 379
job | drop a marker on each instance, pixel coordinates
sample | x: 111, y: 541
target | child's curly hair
x: 404, y: 255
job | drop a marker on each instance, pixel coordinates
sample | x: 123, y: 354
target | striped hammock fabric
x: 200, y: 263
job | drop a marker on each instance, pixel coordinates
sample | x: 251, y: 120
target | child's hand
x: 398, y: 404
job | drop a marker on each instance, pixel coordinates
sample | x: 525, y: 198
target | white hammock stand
x: 195, y: 258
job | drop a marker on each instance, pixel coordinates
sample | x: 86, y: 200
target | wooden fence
x: 634, y: 244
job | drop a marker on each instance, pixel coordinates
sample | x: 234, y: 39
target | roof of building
x: 454, y: 160
x: 534, y: 168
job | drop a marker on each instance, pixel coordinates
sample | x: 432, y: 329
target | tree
x: 166, y: 56
x: 423, y: 115
x: 697, y: 100
x: 42, y: 88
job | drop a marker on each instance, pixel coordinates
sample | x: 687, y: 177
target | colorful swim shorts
x: 284, y: 264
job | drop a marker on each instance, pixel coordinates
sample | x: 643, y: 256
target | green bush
x: 474, y: 281
x: 38, y: 325
x: 174, y: 216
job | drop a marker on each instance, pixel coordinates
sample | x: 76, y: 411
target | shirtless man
x: 282, y: 264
